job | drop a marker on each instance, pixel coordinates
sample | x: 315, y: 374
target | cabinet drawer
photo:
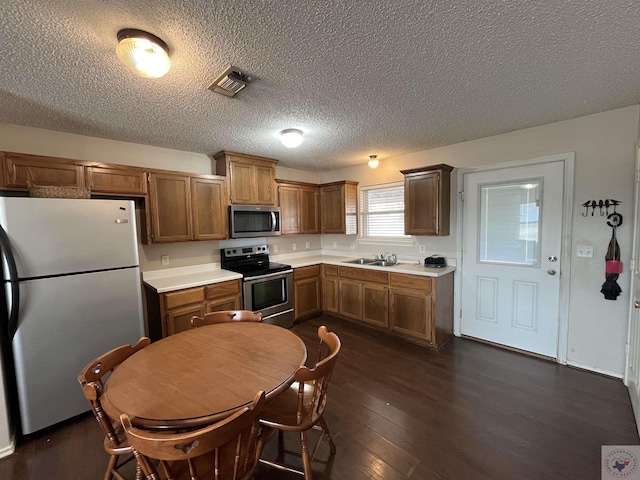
x: 306, y: 272
x: 183, y: 297
x: 223, y: 289
x: 372, y: 276
x: 331, y: 270
x: 413, y: 282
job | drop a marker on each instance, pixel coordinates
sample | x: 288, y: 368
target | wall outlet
x: 164, y: 259
x: 585, y: 251
x: 294, y: 247
x: 335, y: 244
x: 353, y: 245
x: 422, y: 249
x: 307, y: 245
x: 275, y: 248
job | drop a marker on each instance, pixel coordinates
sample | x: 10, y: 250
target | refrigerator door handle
x: 5, y: 246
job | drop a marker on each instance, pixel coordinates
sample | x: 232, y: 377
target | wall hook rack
x: 602, y: 206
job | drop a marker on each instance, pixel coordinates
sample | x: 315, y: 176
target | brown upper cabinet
x: 339, y: 207
x: 19, y: 170
x: 426, y: 200
x: 209, y: 208
x: 114, y: 180
x: 251, y: 179
x: 185, y: 207
x: 299, y: 207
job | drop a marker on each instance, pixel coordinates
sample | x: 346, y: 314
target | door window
x: 508, y: 224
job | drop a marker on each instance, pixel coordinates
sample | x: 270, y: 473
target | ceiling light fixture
x: 145, y: 54
x: 291, y: 137
x: 373, y: 161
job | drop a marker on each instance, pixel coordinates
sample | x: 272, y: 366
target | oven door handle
x: 269, y: 275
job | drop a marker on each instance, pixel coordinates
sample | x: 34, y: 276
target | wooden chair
x: 226, y: 450
x: 226, y: 316
x: 302, y: 406
x: 92, y: 382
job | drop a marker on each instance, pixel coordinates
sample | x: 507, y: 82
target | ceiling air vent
x: 230, y: 82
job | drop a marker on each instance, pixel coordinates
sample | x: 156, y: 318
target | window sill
x: 394, y: 242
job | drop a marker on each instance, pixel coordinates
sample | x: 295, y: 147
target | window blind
x: 382, y: 211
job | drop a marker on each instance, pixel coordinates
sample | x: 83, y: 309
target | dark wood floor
x: 398, y: 411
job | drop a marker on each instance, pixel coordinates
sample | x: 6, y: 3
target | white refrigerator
x: 73, y: 292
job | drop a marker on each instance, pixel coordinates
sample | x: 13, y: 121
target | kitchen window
x: 382, y: 214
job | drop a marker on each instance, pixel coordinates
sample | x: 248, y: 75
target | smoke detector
x: 230, y: 82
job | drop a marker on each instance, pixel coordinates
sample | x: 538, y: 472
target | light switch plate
x: 422, y: 249
x: 307, y: 244
x: 164, y: 259
x: 585, y: 251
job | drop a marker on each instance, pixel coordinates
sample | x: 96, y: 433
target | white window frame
x: 405, y: 240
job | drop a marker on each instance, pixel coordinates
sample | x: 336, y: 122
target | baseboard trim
x: 9, y: 449
x: 591, y: 368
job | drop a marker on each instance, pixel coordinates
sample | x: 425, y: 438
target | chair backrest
x: 225, y: 450
x: 92, y: 380
x: 319, y: 376
x: 226, y: 316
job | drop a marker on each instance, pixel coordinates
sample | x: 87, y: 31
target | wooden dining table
x: 202, y: 375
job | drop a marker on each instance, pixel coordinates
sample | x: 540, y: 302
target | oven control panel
x: 245, y: 251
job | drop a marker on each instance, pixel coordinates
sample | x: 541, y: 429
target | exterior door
x: 511, y: 264
x: 632, y: 373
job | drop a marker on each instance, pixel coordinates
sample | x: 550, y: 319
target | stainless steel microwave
x: 246, y: 221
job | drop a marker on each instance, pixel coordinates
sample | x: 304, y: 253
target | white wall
x: 604, y: 146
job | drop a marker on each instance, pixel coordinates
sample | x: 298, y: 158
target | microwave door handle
x: 273, y: 221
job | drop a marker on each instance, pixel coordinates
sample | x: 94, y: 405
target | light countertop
x: 171, y: 279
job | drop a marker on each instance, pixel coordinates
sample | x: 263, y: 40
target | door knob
x: 636, y: 304
x: 551, y: 271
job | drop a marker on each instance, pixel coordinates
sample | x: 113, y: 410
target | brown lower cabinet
x: 171, y: 312
x: 414, y: 307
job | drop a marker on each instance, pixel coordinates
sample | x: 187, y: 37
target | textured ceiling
x: 358, y: 77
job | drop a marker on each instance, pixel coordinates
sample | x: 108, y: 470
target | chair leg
x: 327, y: 435
x: 306, y: 459
x: 108, y: 475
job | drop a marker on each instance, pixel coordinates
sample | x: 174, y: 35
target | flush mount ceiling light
x: 373, y: 161
x: 145, y: 54
x: 291, y: 137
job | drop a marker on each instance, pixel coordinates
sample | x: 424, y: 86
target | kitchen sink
x: 372, y: 262
x: 383, y: 263
x: 362, y: 261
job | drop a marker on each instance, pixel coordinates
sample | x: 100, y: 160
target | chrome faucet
x: 392, y: 259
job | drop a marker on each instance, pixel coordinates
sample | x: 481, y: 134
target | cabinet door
x: 119, y: 181
x: 289, y: 209
x: 179, y: 320
x: 242, y: 183
x: 170, y: 202
x: 410, y: 313
x: 351, y: 299
x: 375, y: 305
x: 20, y: 170
x: 309, y: 210
x: 209, y: 208
x: 421, y: 204
x: 333, y: 219
x: 330, y: 294
x: 264, y: 186
x: 307, y: 297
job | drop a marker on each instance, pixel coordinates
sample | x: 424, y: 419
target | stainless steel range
x: 267, y: 287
